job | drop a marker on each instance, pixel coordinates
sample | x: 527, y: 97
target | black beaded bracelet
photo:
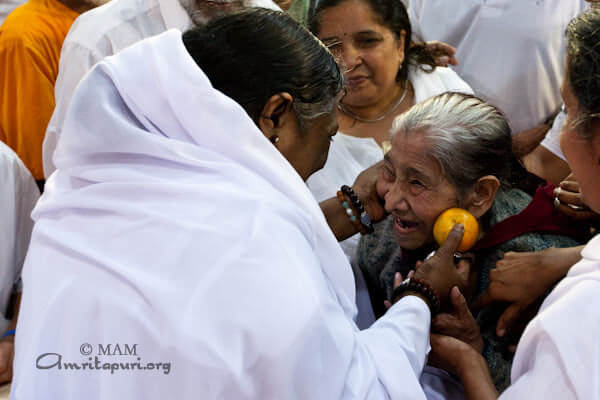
x: 421, y: 287
x: 364, y: 217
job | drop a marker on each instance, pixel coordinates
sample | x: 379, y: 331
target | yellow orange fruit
x: 446, y: 221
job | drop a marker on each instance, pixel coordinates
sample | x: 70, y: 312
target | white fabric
x: 552, y: 139
x: 18, y: 195
x: 349, y: 155
x: 7, y: 6
x: 512, y: 53
x: 558, y: 356
x: 177, y: 226
x: 102, y: 32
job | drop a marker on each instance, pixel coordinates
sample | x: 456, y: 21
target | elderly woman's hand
x: 365, y: 188
x: 569, y: 200
x: 440, y: 270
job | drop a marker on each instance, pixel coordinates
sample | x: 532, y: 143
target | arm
x: 543, y: 163
x: 364, y: 187
x: 522, y: 280
x: 27, y: 86
x: 75, y: 62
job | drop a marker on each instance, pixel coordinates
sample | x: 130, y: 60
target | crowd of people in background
x: 244, y: 192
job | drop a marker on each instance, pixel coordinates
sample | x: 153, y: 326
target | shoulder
x: 116, y: 21
x: 429, y: 83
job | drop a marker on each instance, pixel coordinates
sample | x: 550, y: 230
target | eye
x: 387, y: 173
x: 416, y: 183
x: 367, y: 42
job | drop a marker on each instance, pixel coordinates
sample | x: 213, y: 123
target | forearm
x: 560, y: 261
x: 525, y: 141
x: 544, y: 164
x: 475, y: 377
x: 337, y: 219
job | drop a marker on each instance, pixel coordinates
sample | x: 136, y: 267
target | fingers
x: 387, y: 304
x: 482, y: 301
x: 464, y: 268
x: 397, y: 279
x: 459, y: 302
x: 570, y: 186
x: 508, y: 318
x: 452, y: 241
x: 568, y: 197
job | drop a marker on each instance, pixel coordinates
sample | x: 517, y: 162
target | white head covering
x: 173, y: 226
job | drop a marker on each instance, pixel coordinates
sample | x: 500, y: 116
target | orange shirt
x: 30, y: 42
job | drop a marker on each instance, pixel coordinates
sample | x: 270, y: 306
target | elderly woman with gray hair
x: 558, y: 355
x: 454, y: 150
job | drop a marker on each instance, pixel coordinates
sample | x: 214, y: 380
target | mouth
x: 352, y: 82
x: 405, y: 226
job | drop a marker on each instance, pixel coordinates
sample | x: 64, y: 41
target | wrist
x: 468, y: 361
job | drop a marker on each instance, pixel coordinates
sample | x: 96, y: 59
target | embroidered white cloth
x: 102, y: 32
x: 173, y: 224
x: 558, y: 355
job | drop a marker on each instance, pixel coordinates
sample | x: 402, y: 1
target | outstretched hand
x: 443, y: 53
x: 365, y: 188
x: 440, y: 270
x: 571, y: 201
x: 459, y: 323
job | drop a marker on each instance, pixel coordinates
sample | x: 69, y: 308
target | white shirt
x: 552, y: 139
x: 102, y: 32
x: 350, y: 155
x: 558, y: 356
x: 176, y: 226
x: 18, y: 195
x: 512, y: 53
x: 7, y: 6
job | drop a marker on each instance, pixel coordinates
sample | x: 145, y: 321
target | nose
x: 395, y: 199
x: 351, y: 57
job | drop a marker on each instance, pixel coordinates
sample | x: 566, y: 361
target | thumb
x: 452, y: 241
x: 508, y: 318
x: 458, y: 301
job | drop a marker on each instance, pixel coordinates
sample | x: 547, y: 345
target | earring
x: 274, y: 139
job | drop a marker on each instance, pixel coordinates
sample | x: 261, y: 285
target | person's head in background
x: 580, y: 137
x: 284, y: 78
x: 372, y: 41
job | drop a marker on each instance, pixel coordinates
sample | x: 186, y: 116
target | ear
x: 400, y: 45
x: 482, y: 197
x: 275, y: 114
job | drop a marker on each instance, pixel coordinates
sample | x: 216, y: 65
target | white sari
x: 174, y: 225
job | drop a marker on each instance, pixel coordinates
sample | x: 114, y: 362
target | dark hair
x: 393, y: 15
x: 253, y: 54
x: 583, y: 67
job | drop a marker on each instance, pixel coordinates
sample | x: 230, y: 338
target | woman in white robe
x: 558, y: 355
x: 177, y: 252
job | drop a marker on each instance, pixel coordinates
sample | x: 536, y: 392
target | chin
x: 410, y: 243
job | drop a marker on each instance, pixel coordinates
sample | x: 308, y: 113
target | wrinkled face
x: 369, y: 52
x: 582, y: 154
x: 308, y: 149
x: 415, y: 190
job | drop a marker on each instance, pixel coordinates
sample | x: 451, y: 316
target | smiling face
x: 415, y: 190
x: 370, y: 52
